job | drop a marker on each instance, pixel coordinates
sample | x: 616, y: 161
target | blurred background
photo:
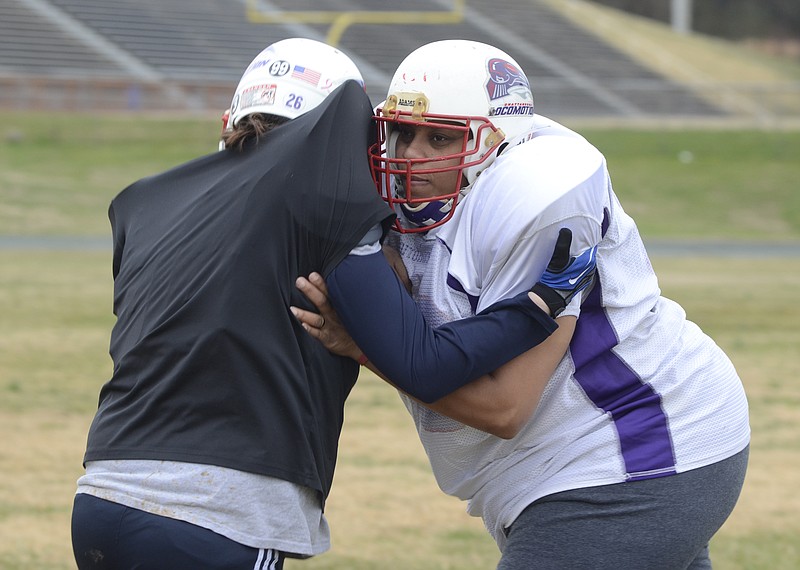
x: 623, y: 60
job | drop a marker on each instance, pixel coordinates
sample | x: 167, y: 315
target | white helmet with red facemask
x: 473, y: 88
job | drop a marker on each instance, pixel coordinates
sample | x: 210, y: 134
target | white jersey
x: 641, y: 393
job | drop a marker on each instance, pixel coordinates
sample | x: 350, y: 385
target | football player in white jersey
x: 632, y: 453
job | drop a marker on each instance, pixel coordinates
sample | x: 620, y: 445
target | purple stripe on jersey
x: 613, y: 387
x: 456, y: 285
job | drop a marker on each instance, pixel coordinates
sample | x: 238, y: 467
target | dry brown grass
x: 39, y: 462
x: 385, y: 510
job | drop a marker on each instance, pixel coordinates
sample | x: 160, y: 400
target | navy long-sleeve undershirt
x: 423, y: 361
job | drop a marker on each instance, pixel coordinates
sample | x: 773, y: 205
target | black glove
x: 565, y: 276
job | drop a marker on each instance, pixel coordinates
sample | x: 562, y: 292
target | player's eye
x: 441, y: 139
x: 405, y: 134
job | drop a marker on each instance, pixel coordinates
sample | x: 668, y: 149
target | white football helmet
x: 289, y: 78
x: 473, y: 88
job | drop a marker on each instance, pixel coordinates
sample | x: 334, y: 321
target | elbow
x: 505, y: 421
x: 427, y: 397
x: 506, y: 425
x: 508, y: 412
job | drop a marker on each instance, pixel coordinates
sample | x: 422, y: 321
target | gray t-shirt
x: 254, y: 510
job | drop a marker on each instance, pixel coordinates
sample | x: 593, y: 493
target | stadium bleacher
x: 188, y: 54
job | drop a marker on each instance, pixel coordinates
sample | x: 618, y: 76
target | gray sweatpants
x: 654, y: 524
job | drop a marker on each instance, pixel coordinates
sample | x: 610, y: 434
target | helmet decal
x: 255, y: 96
x: 306, y: 74
x: 504, y: 77
x: 512, y: 109
x: 279, y: 68
x: 260, y: 61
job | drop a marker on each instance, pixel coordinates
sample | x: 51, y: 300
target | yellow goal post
x: 340, y: 21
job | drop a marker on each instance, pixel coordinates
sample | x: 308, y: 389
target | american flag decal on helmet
x: 306, y: 74
x: 504, y: 76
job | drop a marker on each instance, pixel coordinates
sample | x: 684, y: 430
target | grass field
x: 58, y: 174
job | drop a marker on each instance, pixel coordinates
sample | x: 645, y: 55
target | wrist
x: 539, y: 302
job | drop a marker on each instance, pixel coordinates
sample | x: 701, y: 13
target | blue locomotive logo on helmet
x: 525, y: 109
x: 504, y: 78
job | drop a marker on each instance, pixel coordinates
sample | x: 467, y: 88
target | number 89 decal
x: 294, y: 101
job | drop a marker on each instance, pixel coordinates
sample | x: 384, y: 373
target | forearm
x: 428, y: 363
x: 502, y: 401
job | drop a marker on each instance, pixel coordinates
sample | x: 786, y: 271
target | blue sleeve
x: 426, y: 362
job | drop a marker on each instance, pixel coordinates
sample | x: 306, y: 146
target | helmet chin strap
x: 426, y: 213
